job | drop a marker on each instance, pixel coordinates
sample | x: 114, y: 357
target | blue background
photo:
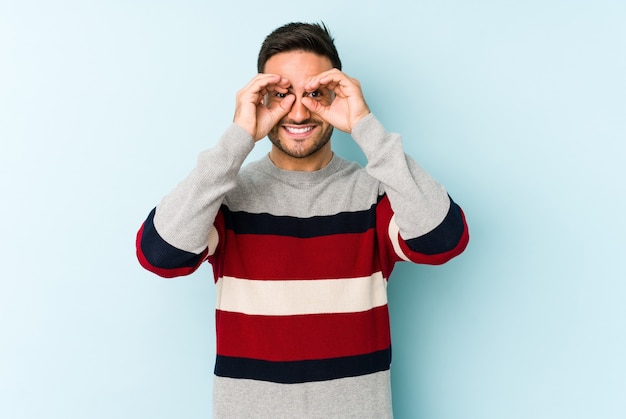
x: 517, y: 107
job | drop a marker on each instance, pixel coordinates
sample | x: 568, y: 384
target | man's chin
x: 297, y: 151
x: 299, y: 148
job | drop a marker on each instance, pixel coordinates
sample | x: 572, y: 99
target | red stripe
x: 285, y: 258
x: 305, y: 337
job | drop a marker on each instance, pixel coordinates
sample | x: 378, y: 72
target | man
x: 302, y: 242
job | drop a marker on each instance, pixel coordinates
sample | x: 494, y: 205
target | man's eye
x: 315, y: 94
x: 281, y: 95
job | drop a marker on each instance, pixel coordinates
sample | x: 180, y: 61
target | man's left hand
x: 348, y: 105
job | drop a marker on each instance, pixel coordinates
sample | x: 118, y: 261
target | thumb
x: 281, y: 108
x: 315, y: 107
x: 287, y: 103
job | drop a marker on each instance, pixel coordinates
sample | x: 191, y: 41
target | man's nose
x: 299, y: 112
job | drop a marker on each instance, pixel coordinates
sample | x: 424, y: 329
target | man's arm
x: 175, y: 238
x: 426, y: 225
x: 180, y: 233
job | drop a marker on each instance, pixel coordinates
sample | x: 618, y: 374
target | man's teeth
x: 293, y: 130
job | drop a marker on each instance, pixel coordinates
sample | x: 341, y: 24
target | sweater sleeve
x: 425, y: 224
x: 179, y: 233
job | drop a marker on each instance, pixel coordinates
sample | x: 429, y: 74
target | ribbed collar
x: 294, y: 177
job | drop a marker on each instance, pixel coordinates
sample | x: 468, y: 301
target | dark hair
x: 297, y: 36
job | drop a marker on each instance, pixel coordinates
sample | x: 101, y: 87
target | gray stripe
x: 338, y: 187
x: 364, y: 397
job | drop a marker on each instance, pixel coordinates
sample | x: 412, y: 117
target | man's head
x: 309, y: 37
x: 297, y: 52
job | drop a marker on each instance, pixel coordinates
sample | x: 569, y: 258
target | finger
x: 260, y: 86
x: 277, y: 110
x: 275, y: 88
x: 333, y: 87
x: 327, y: 78
x: 316, y: 107
x: 262, y: 82
x: 286, y: 104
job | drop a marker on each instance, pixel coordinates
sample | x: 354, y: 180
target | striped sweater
x: 301, y: 262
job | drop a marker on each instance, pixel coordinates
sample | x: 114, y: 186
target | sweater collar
x: 301, y: 177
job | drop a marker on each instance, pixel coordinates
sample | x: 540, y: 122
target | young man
x: 302, y: 242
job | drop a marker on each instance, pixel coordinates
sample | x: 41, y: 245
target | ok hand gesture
x: 348, y: 106
x: 251, y: 111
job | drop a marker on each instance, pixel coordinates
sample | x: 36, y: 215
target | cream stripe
x: 394, y: 236
x: 214, y: 239
x: 284, y: 298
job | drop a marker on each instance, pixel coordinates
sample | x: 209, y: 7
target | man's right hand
x: 253, y: 114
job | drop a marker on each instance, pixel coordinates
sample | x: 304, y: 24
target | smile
x: 299, y: 130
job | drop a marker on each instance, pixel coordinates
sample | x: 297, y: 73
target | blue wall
x: 518, y: 107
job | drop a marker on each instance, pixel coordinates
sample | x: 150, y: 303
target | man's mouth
x: 299, y: 131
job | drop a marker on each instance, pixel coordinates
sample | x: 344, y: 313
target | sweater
x: 301, y: 262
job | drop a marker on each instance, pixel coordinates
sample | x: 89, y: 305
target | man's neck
x: 312, y: 163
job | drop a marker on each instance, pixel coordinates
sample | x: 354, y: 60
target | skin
x: 296, y: 102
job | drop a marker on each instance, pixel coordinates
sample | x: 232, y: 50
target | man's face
x: 300, y: 133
